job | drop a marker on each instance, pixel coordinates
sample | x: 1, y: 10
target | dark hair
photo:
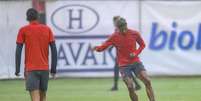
x: 121, y: 22
x: 115, y: 18
x: 32, y: 14
x: 122, y: 25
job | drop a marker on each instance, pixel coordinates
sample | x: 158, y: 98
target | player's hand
x: 53, y: 75
x: 25, y: 75
x: 94, y: 49
x: 132, y: 55
x: 17, y: 74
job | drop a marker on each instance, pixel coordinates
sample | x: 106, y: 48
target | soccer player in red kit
x: 116, y: 68
x: 125, y: 41
x: 37, y: 39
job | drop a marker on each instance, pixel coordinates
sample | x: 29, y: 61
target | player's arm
x: 105, y: 45
x: 54, y: 58
x: 18, y: 53
x: 53, y: 54
x: 141, y: 44
x: 110, y: 48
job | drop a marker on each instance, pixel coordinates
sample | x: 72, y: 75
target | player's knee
x: 42, y: 95
x: 130, y: 85
x: 35, y: 99
x: 131, y: 89
x: 147, y: 82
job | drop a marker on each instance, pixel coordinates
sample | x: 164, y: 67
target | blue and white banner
x: 81, y: 25
x: 172, y: 31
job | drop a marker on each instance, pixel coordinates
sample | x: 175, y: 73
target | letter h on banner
x: 71, y: 18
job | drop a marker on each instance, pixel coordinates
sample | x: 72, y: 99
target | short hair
x: 32, y: 14
x: 121, y: 23
x: 116, y: 17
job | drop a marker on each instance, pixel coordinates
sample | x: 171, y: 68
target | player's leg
x: 35, y: 95
x: 142, y: 75
x: 137, y: 85
x: 42, y: 95
x: 116, y: 77
x: 127, y: 78
x: 129, y: 83
x: 146, y: 80
x: 32, y: 85
x: 44, y: 77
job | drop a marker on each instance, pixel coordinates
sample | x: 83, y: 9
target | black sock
x: 116, y: 75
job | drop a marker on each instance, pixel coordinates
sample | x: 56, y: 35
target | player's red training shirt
x: 125, y: 44
x: 36, y: 38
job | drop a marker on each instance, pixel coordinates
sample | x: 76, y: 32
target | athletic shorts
x: 136, y: 68
x: 37, y: 80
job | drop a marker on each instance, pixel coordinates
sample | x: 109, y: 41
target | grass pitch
x: 166, y: 89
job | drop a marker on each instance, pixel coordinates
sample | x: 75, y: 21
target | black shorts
x: 136, y: 68
x: 37, y: 80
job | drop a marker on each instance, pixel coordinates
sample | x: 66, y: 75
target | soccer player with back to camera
x: 116, y: 68
x: 37, y: 39
x: 125, y: 41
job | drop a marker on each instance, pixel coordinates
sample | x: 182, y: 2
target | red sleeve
x: 106, y: 44
x: 141, y: 43
x: 20, y: 36
x: 51, y: 36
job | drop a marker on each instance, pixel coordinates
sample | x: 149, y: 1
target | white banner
x: 12, y: 17
x: 172, y: 31
x: 81, y: 25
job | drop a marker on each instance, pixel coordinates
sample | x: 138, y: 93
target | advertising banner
x: 172, y: 31
x: 81, y: 25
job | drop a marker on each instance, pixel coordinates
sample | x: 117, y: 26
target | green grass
x: 166, y: 89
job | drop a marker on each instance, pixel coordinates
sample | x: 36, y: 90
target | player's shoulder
x: 114, y: 34
x: 44, y: 26
x: 23, y: 28
x: 134, y: 32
